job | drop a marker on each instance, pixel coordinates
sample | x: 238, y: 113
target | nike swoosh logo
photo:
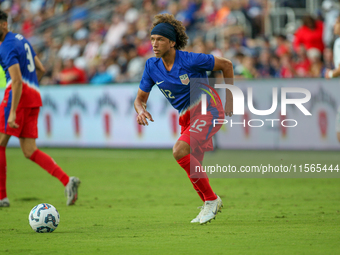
x: 215, y: 211
x: 157, y: 83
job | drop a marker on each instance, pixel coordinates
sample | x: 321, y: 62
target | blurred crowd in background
x: 100, y: 42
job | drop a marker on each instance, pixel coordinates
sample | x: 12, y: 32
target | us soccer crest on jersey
x: 184, y: 79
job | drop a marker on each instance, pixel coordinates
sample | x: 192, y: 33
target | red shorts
x: 198, y: 130
x: 26, y: 118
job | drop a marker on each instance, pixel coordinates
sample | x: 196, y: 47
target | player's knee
x: 179, y: 151
x: 27, y: 153
x: 338, y: 135
x: 3, y: 143
x: 3, y: 140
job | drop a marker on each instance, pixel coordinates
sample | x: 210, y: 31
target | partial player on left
x: 20, y: 107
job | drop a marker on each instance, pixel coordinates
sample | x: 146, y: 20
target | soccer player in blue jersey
x: 173, y: 71
x: 20, y: 106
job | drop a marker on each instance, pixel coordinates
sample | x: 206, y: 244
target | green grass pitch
x: 141, y: 202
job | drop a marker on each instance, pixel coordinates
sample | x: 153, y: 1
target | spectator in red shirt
x: 27, y: 27
x: 310, y: 34
x: 71, y: 74
x: 282, y: 46
x: 302, y: 64
x: 287, y: 70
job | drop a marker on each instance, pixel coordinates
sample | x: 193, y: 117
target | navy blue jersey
x: 175, y: 84
x: 15, y: 49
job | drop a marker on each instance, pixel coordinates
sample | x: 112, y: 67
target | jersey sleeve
x: 10, y: 56
x: 146, y: 83
x: 202, y: 62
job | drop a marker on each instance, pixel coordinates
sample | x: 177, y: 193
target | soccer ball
x: 44, y: 218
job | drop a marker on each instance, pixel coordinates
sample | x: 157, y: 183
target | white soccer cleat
x: 4, y: 202
x: 198, y: 217
x: 71, y: 190
x: 210, y: 210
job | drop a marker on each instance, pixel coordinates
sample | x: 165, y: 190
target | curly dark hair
x: 3, y: 16
x: 181, y: 36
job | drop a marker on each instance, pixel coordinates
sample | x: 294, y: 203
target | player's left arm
x: 16, y: 77
x: 329, y: 74
x: 40, y: 69
x: 225, y: 65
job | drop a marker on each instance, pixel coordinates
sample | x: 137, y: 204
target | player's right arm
x: 225, y: 65
x: 140, y: 107
x: 16, y: 77
x: 40, y: 69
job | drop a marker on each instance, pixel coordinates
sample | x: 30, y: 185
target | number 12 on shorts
x: 197, y: 126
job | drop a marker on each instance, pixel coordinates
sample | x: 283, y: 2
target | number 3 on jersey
x: 30, y: 66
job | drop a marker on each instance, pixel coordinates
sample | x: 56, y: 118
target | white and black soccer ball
x: 44, y: 218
